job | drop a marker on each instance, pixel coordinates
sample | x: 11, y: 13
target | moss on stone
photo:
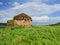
x: 10, y: 23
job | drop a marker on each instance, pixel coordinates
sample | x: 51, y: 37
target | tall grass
x: 35, y: 35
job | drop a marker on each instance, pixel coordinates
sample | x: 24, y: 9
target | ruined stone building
x: 22, y: 20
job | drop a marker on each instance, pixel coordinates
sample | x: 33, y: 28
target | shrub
x: 10, y: 23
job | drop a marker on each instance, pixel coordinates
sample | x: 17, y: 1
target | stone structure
x: 22, y: 20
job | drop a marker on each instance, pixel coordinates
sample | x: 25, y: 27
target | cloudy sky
x: 42, y: 11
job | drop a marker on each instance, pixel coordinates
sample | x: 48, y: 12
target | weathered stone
x: 22, y: 20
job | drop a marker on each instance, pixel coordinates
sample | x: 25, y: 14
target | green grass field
x: 35, y: 35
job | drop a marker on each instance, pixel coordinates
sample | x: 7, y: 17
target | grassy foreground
x: 35, y: 35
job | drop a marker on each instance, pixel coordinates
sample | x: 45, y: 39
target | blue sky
x: 42, y: 11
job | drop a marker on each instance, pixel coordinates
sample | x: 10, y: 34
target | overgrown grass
x: 35, y: 35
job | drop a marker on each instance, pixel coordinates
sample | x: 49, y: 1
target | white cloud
x: 45, y: 1
x: 39, y: 12
x: 34, y: 8
x: 50, y: 20
x: 1, y: 3
x: 53, y: 20
x: 4, y: 20
x: 15, y: 4
x: 40, y: 19
x: 56, y: 19
x: 37, y: 1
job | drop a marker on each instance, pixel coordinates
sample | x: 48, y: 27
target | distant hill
x: 57, y: 24
x: 3, y: 24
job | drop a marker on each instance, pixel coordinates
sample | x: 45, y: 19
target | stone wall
x: 22, y: 23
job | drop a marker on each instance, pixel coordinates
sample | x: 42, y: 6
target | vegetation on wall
x: 10, y: 23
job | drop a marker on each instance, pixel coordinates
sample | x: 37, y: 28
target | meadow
x: 35, y: 35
